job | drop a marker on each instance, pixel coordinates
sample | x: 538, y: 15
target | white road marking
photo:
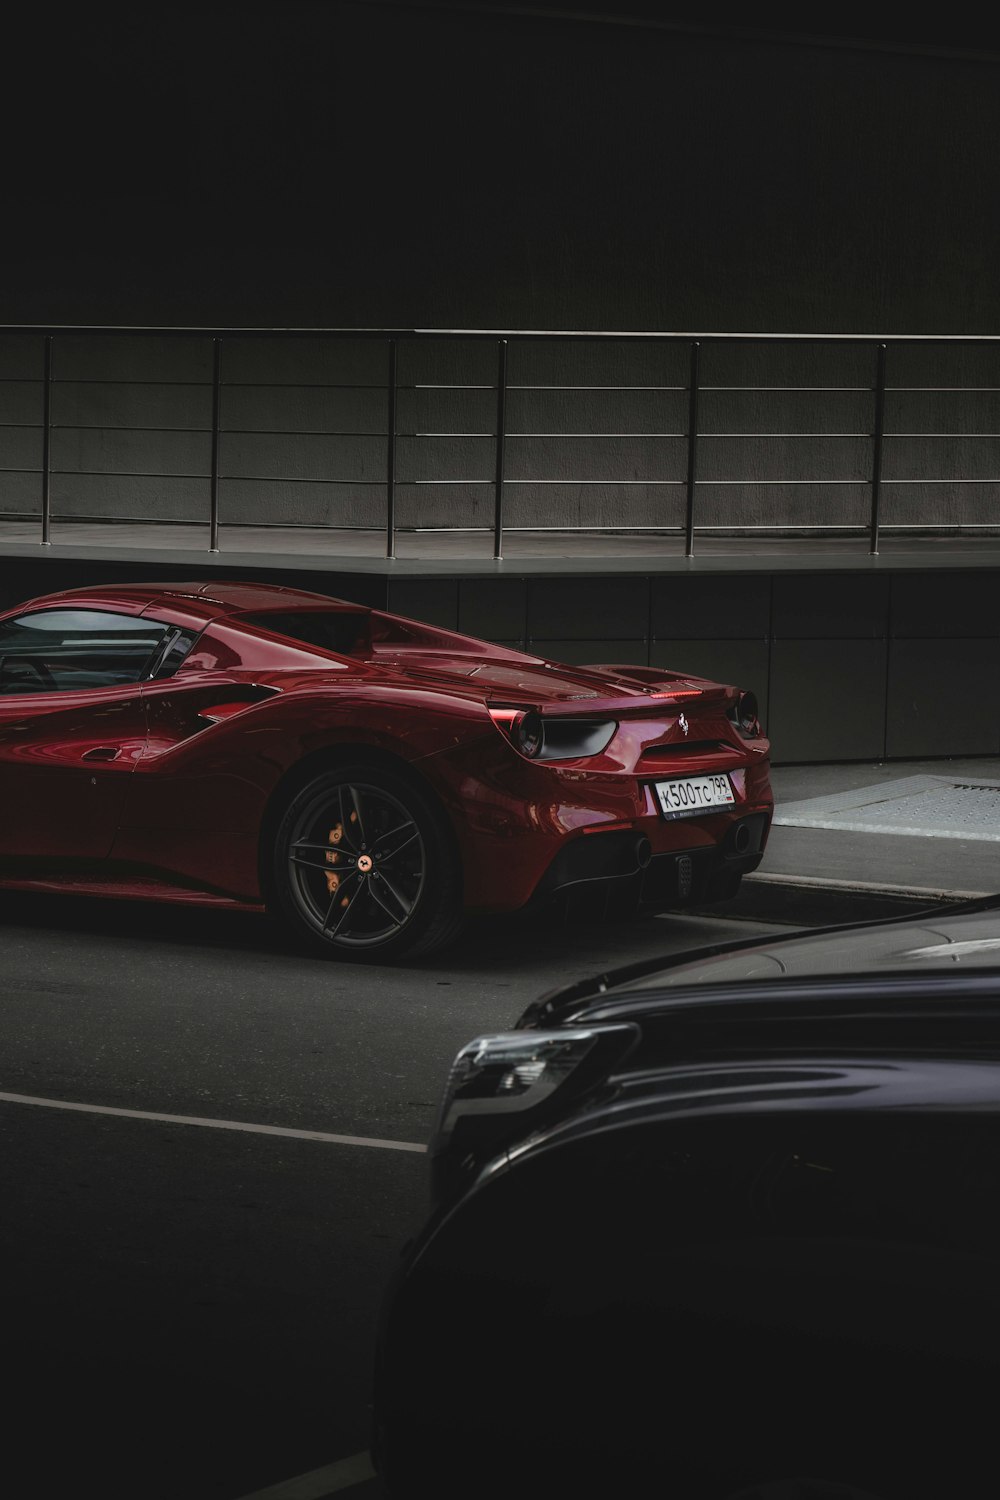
x: 319, y: 1483
x: 144, y: 1114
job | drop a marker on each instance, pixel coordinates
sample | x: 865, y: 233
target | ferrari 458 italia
x: 366, y: 778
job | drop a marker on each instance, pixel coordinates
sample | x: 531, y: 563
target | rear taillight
x: 553, y: 738
x: 746, y: 715
x: 523, y: 727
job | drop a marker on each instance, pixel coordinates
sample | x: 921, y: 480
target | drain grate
x: 926, y: 806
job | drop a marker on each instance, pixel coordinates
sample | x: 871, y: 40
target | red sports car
x: 366, y: 778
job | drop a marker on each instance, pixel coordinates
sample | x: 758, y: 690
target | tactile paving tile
x: 941, y: 807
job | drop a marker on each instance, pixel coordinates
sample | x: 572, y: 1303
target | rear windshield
x: 337, y: 630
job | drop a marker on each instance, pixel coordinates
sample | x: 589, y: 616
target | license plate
x: 686, y: 796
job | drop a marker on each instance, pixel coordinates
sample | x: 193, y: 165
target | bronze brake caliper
x: 332, y: 876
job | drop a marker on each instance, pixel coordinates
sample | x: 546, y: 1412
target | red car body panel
x: 169, y: 786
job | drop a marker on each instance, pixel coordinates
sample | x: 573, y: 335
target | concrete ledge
x: 442, y: 554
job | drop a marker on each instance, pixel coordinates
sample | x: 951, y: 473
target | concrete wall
x: 907, y: 671
x: 846, y: 665
x: 596, y: 432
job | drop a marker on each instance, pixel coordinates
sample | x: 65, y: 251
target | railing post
x: 692, y: 449
x: 46, y: 435
x: 501, y: 431
x: 390, y: 472
x: 213, y: 545
x: 877, y: 455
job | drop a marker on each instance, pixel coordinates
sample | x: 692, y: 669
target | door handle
x: 102, y: 752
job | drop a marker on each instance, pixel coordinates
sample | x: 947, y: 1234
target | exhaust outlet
x: 643, y: 851
x: 741, y: 839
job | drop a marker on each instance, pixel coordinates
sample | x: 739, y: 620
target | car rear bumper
x: 620, y: 870
x: 528, y: 832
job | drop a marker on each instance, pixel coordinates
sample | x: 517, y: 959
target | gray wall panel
x: 444, y: 458
x: 299, y: 456
x: 443, y: 505
x: 734, y: 504
x: 21, y: 402
x: 446, y: 362
x: 966, y: 411
x: 593, y: 505
x: 632, y: 362
x: 600, y: 652
x: 434, y: 600
x: 146, y: 406
x: 942, y: 364
x: 304, y: 361
x: 20, y: 447
x: 724, y: 606
x: 494, y: 609
x: 615, y: 413
x: 941, y: 456
x: 588, y: 608
x: 20, y: 492
x: 949, y: 504
x: 947, y: 604
x: 169, y: 498
x: 298, y: 503
x: 827, y: 700
x: 120, y: 451
x: 444, y: 410
x: 803, y: 411
x: 794, y: 457
x: 303, y: 408
x: 797, y: 365
x: 942, y: 698
x: 819, y: 606
x: 136, y: 357
x: 595, y: 458
x: 22, y: 357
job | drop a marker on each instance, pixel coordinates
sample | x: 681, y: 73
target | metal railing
x: 688, y: 352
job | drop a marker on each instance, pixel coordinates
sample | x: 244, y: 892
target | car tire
x: 363, y: 867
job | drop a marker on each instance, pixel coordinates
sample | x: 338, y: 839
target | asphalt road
x: 190, y: 1287
x: 211, y: 1154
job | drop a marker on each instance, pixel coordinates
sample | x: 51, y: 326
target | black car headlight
x: 503, y: 1086
x: 538, y: 738
x: 745, y: 714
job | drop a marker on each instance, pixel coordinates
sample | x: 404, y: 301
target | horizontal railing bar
x: 321, y: 432
x: 576, y: 482
x: 559, y: 335
x: 854, y: 528
x: 514, y: 386
x: 413, y: 483
x: 510, y: 434
x: 358, y: 385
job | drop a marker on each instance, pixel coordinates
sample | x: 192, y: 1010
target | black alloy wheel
x: 363, y: 867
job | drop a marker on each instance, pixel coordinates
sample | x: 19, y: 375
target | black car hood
x: 965, y: 935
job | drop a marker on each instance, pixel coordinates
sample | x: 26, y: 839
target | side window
x: 61, y: 650
x: 170, y: 655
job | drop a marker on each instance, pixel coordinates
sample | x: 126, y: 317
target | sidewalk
x: 873, y: 839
